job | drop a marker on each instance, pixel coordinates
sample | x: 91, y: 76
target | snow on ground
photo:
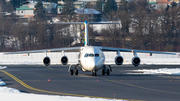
x: 3, y: 67
x: 11, y: 94
x: 170, y: 71
x: 8, y: 90
x: 2, y: 83
x: 99, y: 27
x: 35, y: 97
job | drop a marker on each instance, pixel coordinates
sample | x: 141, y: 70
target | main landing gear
x: 93, y: 73
x: 106, y: 71
x: 75, y: 70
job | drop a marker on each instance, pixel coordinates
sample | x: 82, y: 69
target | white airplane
x: 90, y: 58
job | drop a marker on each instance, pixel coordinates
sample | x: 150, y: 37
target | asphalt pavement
x: 122, y: 83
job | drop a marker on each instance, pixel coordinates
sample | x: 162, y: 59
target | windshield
x: 91, y: 55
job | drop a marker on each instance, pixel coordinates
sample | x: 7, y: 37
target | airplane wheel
x: 76, y: 72
x: 92, y: 73
x: 108, y: 72
x: 103, y: 72
x: 72, y: 72
x: 95, y: 74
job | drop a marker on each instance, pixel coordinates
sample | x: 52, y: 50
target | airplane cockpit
x: 93, y: 55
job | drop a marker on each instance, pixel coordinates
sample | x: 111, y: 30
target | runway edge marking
x: 67, y: 94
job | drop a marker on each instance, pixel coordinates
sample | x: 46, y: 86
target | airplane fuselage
x: 91, y: 58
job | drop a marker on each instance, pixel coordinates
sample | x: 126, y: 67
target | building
x: 86, y: 1
x: 28, y: 7
x: 81, y: 4
x: 76, y: 5
x: 160, y: 4
x: 25, y: 11
x: 89, y: 14
x: 153, y: 4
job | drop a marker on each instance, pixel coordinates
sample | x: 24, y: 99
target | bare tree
x: 5, y: 28
x: 112, y: 36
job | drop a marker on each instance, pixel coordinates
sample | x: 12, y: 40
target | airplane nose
x: 95, y: 64
x: 92, y: 64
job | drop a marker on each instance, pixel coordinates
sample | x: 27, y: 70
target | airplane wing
x: 133, y: 50
x: 69, y: 49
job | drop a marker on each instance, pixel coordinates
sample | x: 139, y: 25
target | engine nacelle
x: 119, y: 60
x: 136, y: 61
x: 64, y: 60
x: 46, y: 61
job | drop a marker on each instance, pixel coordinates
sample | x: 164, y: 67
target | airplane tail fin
x: 86, y: 39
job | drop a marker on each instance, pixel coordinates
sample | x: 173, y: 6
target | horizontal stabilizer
x: 68, y: 23
x: 83, y: 23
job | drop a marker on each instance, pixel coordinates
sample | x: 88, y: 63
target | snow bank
x: 172, y: 71
x: 2, y: 83
x: 9, y: 90
x: 36, y: 58
x: 34, y: 97
x: 3, y: 67
x: 11, y: 94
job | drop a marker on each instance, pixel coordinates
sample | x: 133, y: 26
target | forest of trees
x: 141, y: 28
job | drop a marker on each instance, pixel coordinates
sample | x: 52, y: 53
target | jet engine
x: 119, y: 60
x: 46, y: 61
x: 136, y: 61
x: 64, y: 60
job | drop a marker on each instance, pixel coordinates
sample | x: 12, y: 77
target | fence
x: 36, y: 58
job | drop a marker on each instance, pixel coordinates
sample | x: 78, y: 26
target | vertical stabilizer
x: 86, y: 39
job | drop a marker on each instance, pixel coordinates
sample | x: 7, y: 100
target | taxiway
x: 121, y: 84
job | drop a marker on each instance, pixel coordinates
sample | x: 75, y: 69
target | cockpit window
x: 91, y: 55
x: 86, y: 55
x: 96, y: 55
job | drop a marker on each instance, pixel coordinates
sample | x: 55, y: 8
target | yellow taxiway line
x: 49, y: 67
x: 67, y: 94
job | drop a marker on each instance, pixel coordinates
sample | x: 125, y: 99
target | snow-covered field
x: 172, y: 71
x: 11, y: 94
